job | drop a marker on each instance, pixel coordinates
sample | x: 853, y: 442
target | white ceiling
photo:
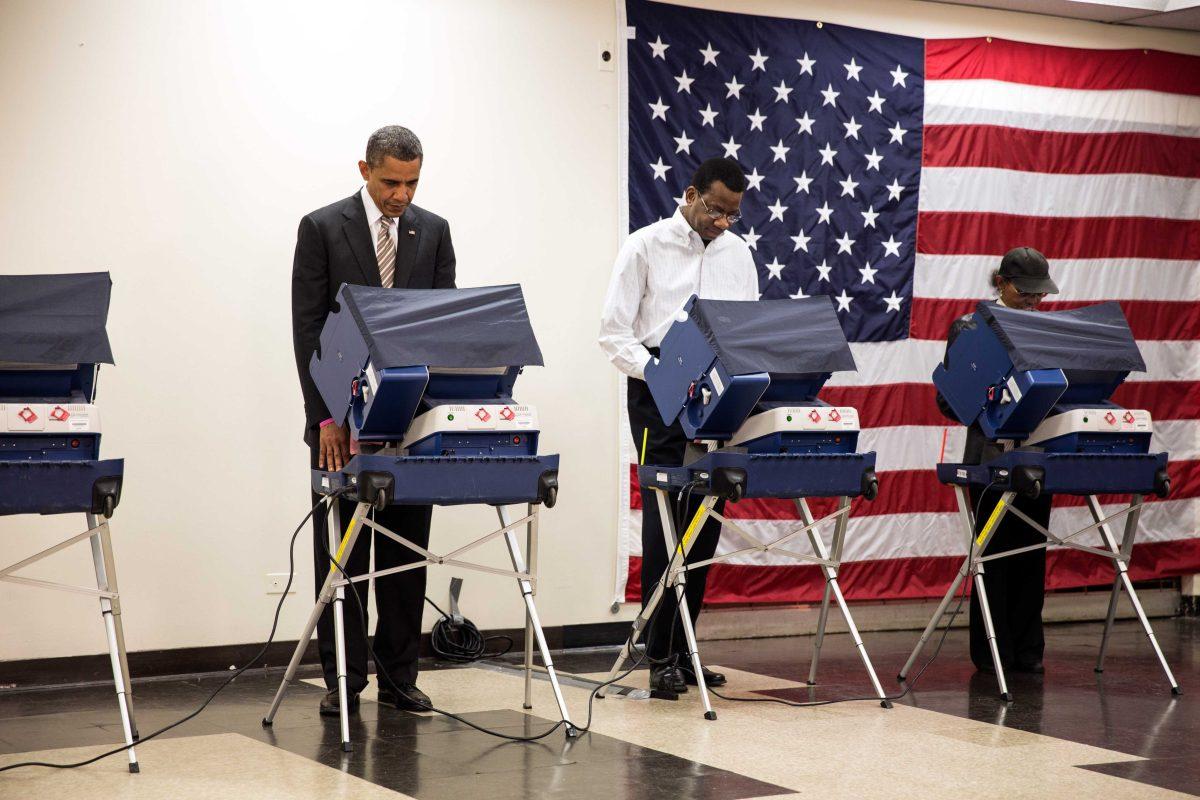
x: 1178, y: 14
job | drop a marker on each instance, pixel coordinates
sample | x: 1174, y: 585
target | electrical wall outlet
x: 606, y: 57
x: 276, y: 581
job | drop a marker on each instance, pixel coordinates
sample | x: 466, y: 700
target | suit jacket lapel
x: 358, y: 234
x: 408, y: 238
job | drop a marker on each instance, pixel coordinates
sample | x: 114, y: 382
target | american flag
x: 892, y: 173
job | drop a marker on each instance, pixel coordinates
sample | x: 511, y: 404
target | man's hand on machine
x: 335, y: 447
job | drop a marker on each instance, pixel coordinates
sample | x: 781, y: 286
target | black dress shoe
x: 409, y: 698
x: 330, y: 704
x: 666, y: 682
x: 1031, y: 667
x: 710, y: 678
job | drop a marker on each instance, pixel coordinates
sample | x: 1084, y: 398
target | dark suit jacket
x: 334, y: 246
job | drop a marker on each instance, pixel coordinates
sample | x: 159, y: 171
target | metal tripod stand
x: 973, y: 565
x: 100, y: 538
x: 828, y: 558
x: 333, y: 591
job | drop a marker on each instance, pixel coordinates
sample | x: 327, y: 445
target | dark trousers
x: 665, y: 446
x: 1016, y: 585
x: 399, y: 598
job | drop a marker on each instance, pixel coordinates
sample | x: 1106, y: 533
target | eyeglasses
x: 716, y: 215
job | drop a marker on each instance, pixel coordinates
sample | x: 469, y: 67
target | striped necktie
x: 385, y: 253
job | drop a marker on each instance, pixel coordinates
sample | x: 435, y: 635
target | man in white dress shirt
x: 659, y: 267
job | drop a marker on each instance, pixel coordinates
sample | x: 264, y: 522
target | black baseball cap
x: 1028, y: 271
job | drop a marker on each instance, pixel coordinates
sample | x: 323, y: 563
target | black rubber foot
x: 1175, y: 690
x: 573, y: 732
x: 900, y: 678
x: 137, y: 737
x: 135, y: 768
x: 1098, y: 670
x: 526, y: 706
x: 810, y: 683
x: 266, y: 723
x: 346, y: 748
x: 1006, y: 697
x: 663, y: 694
x: 885, y: 703
x: 710, y: 715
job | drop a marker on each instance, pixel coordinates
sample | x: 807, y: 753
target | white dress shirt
x: 373, y: 216
x: 658, y: 268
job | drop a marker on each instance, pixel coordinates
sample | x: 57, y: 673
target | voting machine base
x: 973, y: 566
x: 524, y: 571
x: 675, y: 578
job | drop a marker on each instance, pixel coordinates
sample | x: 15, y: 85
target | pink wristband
x: 326, y: 423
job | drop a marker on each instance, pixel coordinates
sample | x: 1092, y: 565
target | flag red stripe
x: 1062, y: 67
x: 991, y: 233
x: 918, y: 578
x: 914, y: 404
x: 1149, y: 319
x: 1060, y: 153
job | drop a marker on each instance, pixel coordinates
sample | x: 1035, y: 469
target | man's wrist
x: 325, y: 423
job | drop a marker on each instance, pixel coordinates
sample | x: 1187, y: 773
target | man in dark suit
x: 375, y: 237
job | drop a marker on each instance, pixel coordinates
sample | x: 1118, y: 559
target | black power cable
x: 233, y: 676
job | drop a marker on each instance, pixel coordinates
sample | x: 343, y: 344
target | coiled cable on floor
x: 455, y: 638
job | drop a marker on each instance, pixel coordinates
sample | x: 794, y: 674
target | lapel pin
x: 412, y: 233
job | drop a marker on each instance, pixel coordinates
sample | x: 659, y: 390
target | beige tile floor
x: 854, y: 750
x: 225, y: 766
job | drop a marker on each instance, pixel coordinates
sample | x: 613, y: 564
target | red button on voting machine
x: 1110, y: 418
x: 1129, y: 417
x: 28, y: 415
x: 835, y: 416
x: 814, y: 415
x: 507, y: 414
x: 483, y: 415
x: 60, y: 414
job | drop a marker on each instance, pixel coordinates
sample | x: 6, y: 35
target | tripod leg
x: 531, y: 548
x: 526, y: 587
x: 933, y: 622
x: 106, y: 581
x: 689, y: 633
x: 1108, y: 621
x: 639, y: 625
x: 1121, y: 559
x: 986, y: 611
x: 822, y: 620
x: 339, y: 601
x: 818, y: 546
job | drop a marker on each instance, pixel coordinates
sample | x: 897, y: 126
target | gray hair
x: 394, y: 141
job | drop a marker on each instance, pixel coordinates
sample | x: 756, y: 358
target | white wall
x: 178, y: 144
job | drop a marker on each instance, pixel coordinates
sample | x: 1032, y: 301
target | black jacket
x: 334, y: 246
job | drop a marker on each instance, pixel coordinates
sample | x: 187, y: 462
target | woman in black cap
x: 1015, y: 584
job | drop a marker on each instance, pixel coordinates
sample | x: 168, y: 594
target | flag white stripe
x: 1098, y: 279
x: 934, y: 534
x: 912, y: 361
x: 1006, y: 191
x: 908, y: 447
x: 1045, y: 108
